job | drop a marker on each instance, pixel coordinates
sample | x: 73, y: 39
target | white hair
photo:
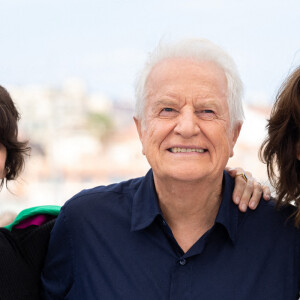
x: 198, y: 50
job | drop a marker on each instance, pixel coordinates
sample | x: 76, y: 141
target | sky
x: 105, y: 43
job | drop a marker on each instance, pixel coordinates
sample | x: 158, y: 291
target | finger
x: 231, y: 171
x: 266, y: 192
x: 246, y: 195
x: 240, y: 185
x: 256, y: 195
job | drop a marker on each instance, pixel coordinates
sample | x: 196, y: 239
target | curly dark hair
x: 281, y: 149
x: 16, y: 150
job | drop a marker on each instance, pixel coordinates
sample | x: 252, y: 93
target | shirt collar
x: 228, y: 214
x: 145, y: 206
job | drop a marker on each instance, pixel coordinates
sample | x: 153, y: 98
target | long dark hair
x: 16, y: 150
x: 281, y: 147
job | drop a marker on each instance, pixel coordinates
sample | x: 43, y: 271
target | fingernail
x: 252, y: 205
x: 243, y: 207
x: 268, y: 197
x: 237, y: 200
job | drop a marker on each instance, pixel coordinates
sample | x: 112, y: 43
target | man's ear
x: 138, y: 126
x: 235, y: 134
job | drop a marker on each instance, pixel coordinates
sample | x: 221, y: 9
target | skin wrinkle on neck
x: 193, y: 215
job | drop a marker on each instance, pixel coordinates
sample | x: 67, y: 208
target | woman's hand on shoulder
x: 247, y: 190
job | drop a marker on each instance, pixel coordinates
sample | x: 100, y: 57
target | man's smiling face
x: 186, y: 128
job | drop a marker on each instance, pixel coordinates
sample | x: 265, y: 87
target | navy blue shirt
x: 112, y: 242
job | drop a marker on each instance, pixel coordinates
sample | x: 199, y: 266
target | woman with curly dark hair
x: 12, y: 151
x: 23, y: 243
x: 281, y: 149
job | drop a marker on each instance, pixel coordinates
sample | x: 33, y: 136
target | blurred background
x: 70, y: 66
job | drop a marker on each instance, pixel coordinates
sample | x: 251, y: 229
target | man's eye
x: 206, y: 114
x: 168, y: 112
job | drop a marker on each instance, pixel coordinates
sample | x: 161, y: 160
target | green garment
x: 32, y: 211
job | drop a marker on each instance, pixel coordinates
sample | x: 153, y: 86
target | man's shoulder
x: 269, y: 216
x: 104, y: 195
x: 270, y: 208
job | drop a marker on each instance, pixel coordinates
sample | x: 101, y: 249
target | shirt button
x: 182, y: 261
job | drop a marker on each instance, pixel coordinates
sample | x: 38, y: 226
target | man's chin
x: 186, y: 176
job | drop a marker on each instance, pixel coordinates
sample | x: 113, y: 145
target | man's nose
x: 187, y: 124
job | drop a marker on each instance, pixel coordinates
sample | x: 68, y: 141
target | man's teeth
x: 176, y: 150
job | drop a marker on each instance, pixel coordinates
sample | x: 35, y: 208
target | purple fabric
x: 34, y: 220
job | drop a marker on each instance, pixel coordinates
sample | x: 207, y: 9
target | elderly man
x: 175, y: 233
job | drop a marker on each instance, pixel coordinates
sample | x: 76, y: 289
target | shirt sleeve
x: 58, y: 274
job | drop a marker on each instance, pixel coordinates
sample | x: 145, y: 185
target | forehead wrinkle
x: 161, y: 98
x: 206, y: 101
x: 159, y: 85
x: 165, y: 102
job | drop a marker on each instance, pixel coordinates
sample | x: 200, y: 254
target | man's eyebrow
x: 165, y: 102
x: 207, y: 102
